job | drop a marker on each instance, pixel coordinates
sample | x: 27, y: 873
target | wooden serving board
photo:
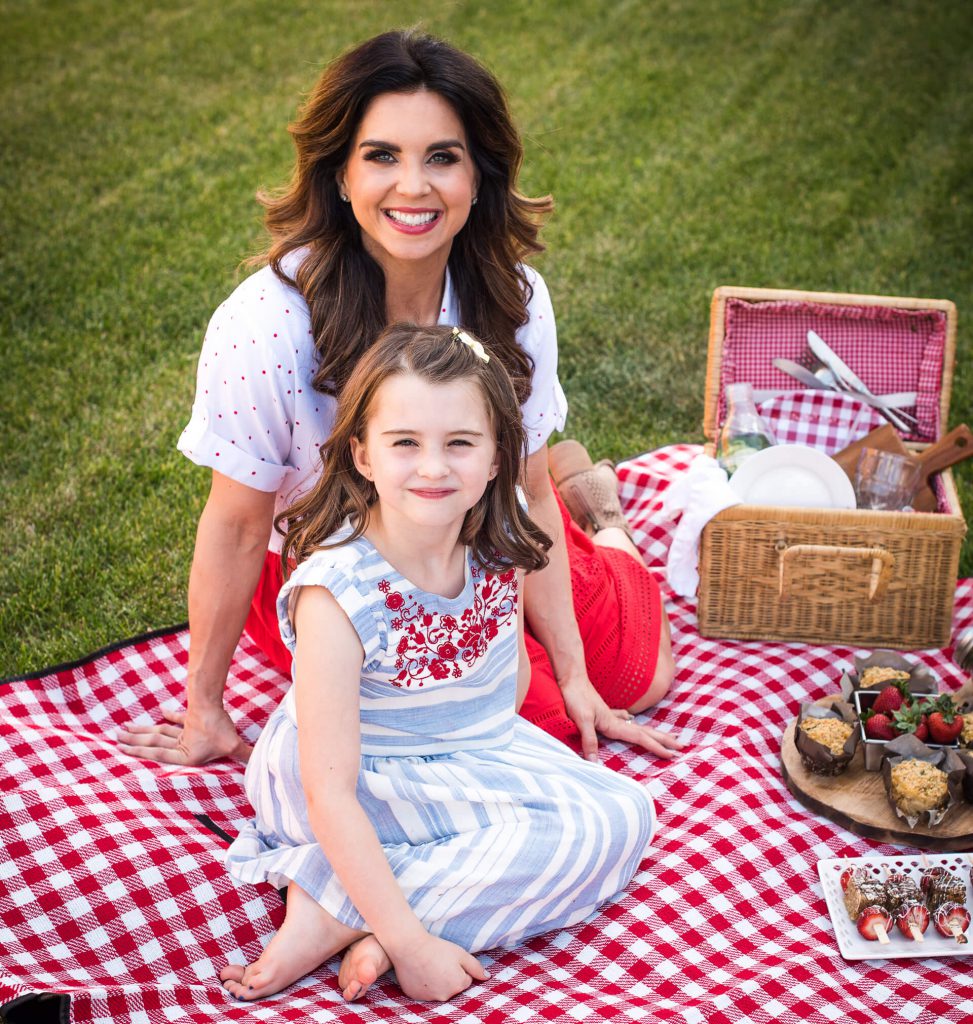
x: 856, y: 800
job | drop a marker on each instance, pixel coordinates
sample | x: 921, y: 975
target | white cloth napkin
x: 699, y: 495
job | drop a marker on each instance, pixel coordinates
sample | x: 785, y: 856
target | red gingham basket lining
x: 890, y: 349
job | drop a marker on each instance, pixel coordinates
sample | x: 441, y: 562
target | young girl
x: 413, y: 816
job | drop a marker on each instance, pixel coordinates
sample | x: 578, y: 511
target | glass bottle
x: 743, y: 432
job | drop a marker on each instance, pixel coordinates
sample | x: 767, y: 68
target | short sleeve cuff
x: 551, y: 417
x: 359, y: 607
x: 206, y: 448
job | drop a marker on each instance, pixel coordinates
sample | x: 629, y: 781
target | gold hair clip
x: 477, y: 346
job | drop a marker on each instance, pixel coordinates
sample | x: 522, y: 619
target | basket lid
x: 893, y: 345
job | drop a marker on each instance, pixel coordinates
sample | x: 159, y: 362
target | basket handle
x: 881, y: 563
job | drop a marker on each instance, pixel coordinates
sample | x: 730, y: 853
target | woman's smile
x: 410, y: 178
x: 413, y: 222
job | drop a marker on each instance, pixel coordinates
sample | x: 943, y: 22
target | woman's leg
x: 665, y: 666
x: 262, y: 626
x: 619, y: 606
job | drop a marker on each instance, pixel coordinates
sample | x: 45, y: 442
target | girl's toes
x: 360, y: 968
x: 232, y: 972
x: 235, y: 989
x: 365, y: 976
x: 244, y: 982
x: 352, y: 992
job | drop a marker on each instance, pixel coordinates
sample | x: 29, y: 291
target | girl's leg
x: 308, y: 937
x: 616, y: 537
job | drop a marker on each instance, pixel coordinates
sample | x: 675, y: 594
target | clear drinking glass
x: 885, y: 480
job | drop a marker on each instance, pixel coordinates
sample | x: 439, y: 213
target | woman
x: 403, y: 206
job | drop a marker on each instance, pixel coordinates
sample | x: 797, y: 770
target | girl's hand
x: 590, y: 713
x: 435, y: 970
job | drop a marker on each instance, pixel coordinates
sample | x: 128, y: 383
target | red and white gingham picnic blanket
x: 112, y: 887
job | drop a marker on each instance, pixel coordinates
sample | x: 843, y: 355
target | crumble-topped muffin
x: 917, y: 786
x: 830, y: 732
x: 881, y: 675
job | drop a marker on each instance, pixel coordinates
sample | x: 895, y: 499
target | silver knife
x: 811, y: 380
x: 843, y: 372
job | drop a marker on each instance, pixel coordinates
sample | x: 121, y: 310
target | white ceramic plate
x: 850, y: 943
x: 793, y: 475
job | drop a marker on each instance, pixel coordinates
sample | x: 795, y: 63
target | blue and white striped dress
x: 494, y: 830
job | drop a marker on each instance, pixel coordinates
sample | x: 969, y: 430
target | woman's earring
x: 344, y: 197
x: 473, y: 202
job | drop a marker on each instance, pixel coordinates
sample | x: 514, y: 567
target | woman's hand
x: 231, y: 543
x: 186, y: 740
x: 589, y: 712
x: 435, y: 970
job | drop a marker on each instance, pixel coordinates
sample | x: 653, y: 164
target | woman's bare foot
x: 365, y: 961
x: 308, y: 937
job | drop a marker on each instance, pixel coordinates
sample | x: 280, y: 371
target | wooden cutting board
x: 953, y: 447
x: 885, y: 439
x: 856, y: 800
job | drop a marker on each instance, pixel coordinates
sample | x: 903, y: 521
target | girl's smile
x: 430, y: 451
x: 432, y: 495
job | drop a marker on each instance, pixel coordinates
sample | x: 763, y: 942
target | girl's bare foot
x: 308, y: 937
x: 364, y: 962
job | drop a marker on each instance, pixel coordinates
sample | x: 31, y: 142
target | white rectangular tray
x: 853, y: 947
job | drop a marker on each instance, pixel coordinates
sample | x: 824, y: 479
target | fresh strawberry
x: 912, y: 718
x: 945, y: 723
x: 879, y: 727
x: 913, y: 920
x: 874, y: 924
x: 952, y: 920
x: 892, y: 698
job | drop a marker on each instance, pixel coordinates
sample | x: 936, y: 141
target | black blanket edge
x: 69, y: 666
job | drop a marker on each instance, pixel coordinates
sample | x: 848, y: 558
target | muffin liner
x: 816, y: 757
x: 908, y: 748
x: 921, y: 679
x: 966, y: 756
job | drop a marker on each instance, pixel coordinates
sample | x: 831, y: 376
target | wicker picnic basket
x: 850, y: 577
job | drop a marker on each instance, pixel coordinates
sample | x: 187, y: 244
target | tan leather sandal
x: 589, y: 490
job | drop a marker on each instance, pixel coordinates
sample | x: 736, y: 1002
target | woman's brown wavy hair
x: 343, y: 286
x: 497, y: 529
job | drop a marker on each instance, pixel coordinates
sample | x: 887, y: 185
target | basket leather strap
x: 879, y: 561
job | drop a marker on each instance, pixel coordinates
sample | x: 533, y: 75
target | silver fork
x: 827, y: 375
x: 821, y: 370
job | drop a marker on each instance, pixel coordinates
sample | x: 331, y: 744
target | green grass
x: 817, y: 145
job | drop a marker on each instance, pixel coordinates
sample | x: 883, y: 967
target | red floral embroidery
x: 438, y: 646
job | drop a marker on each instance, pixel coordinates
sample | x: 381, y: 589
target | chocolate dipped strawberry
x: 952, y: 920
x: 874, y: 923
x: 912, y: 920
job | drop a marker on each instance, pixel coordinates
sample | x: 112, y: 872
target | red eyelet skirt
x: 616, y: 602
